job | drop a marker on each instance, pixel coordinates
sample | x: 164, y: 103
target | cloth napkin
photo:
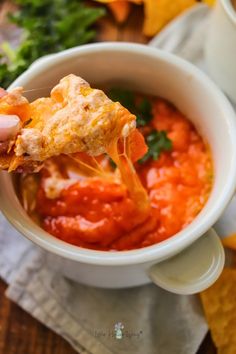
x: 140, y: 320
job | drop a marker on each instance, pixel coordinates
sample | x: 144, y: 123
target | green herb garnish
x: 157, y: 142
x: 144, y: 113
x: 125, y: 97
x: 48, y: 26
x: 143, y: 110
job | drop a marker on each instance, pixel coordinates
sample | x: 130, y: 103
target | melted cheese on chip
x: 75, y: 119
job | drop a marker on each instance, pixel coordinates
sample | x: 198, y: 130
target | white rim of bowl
x: 182, y: 239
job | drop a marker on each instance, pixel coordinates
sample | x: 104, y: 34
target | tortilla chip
x: 209, y: 2
x: 109, y: 1
x: 219, y: 304
x: 230, y: 242
x: 159, y: 12
x: 5, y: 161
x: 18, y: 164
x: 120, y: 10
x: 10, y: 162
x: 15, y: 162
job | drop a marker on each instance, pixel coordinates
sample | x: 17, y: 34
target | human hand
x: 9, y: 126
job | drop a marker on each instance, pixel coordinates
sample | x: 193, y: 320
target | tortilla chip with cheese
x: 75, y: 118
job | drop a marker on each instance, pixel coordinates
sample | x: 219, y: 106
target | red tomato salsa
x: 99, y: 214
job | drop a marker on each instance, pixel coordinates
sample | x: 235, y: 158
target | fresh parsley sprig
x: 48, y: 26
x: 142, y: 110
x: 157, y: 141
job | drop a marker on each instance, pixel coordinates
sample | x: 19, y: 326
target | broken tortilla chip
x: 230, y: 242
x: 209, y: 2
x: 159, y: 12
x: 109, y: 1
x: 120, y: 10
x: 5, y: 161
x: 219, y: 304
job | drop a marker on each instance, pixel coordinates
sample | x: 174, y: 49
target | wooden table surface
x: 19, y: 332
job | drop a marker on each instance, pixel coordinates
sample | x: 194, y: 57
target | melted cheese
x: 76, y: 118
x: 129, y: 176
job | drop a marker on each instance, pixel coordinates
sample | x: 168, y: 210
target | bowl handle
x: 192, y: 270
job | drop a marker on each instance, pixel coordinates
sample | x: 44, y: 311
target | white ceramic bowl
x: 153, y: 72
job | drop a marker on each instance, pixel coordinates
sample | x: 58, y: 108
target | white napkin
x: 146, y: 319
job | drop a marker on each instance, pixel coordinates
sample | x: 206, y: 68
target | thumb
x: 9, y: 126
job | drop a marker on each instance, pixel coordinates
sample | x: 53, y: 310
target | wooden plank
x: 22, y: 334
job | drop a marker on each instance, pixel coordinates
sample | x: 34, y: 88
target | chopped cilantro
x: 144, y: 113
x: 125, y: 97
x: 143, y: 110
x: 157, y: 142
